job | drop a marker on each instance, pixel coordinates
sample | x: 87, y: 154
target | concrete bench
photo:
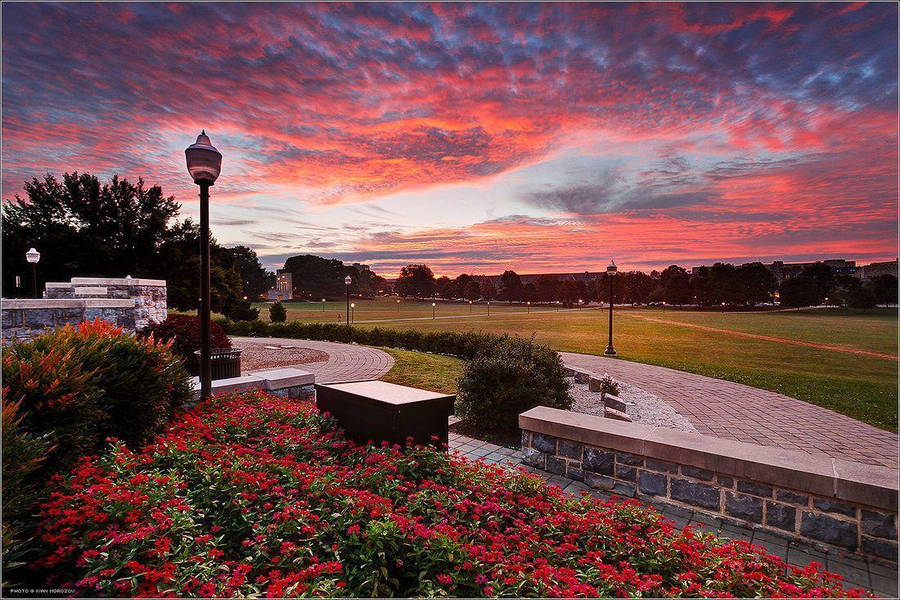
x: 287, y: 383
x: 381, y: 411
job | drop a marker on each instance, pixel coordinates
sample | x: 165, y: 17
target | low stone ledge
x: 277, y: 379
x: 40, y: 303
x: 111, y: 281
x: 287, y: 383
x: 815, y: 498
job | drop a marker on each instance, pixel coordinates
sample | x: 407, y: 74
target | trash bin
x: 224, y: 362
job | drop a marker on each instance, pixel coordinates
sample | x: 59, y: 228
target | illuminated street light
x: 432, y: 309
x: 352, y: 311
x: 610, y: 274
x: 529, y: 306
x: 347, y: 282
x: 33, y: 256
x: 398, y: 306
x: 204, y: 163
x: 323, y: 304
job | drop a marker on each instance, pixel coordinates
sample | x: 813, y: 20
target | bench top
x: 389, y: 393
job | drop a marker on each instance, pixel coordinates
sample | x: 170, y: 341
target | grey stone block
x: 534, y: 458
x: 835, y: 507
x: 569, y: 449
x: 757, y: 489
x: 878, y: 524
x: 599, y: 481
x: 555, y: 465
x: 623, y: 489
x: 629, y: 459
x: 742, y: 506
x: 544, y: 443
x: 829, y: 530
x: 781, y: 516
x: 582, y: 377
x: 662, y: 466
x: 697, y: 473
x: 575, y: 473
x: 652, y: 483
x: 625, y: 473
x: 613, y: 402
x: 598, y: 461
x: 526, y: 439
x: 692, y: 492
x: 880, y: 548
x: 725, y: 481
x: 39, y: 318
x: 791, y: 497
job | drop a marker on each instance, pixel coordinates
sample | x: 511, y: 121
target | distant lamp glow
x: 529, y: 306
x: 347, y: 282
x: 433, y: 304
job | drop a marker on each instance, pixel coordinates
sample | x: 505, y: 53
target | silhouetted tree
x: 415, y: 280
x: 547, y: 288
x: 675, y: 285
x: 884, y: 287
x: 443, y: 287
x: 758, y: 284
x: 487, y: 289
x: 799, y: 291
x: 510, y: 286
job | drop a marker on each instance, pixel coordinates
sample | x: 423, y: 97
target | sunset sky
x: 479, y: 137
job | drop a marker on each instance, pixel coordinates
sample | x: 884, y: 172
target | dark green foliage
x: 277, y: 313
x: 862, y: 297
x: 885, y: 288
x: 415, y: 280
x: 183, y: 333
x: 507, y: 378
x: 799, y: 291
x: 241, y: 310
x: 608, y: 385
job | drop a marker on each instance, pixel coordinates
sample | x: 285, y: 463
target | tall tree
x: 443, y: 287
x: 415, y: 280
x: 547, y: 288
x: 511, y: 286
x: 884, y: 287
x: 487, y: 290
x: 758, y: 284
x: 254, y: 278
x: 317, y: 277
x: 676, y: 285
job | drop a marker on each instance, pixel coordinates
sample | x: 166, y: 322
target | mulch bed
x: 256, y: 356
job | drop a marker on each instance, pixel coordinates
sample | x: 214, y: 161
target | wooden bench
x: 381, y: 411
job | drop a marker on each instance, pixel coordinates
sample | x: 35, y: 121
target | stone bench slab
x: 278, y: 379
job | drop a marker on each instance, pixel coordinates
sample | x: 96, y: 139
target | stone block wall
x: 850, y: 513
x: 125, y: 302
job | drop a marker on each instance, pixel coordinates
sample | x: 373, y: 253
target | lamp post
x: 470, y: 307
x: 204, y: 163
x: 610, y: 272
x: 433, y: 304
x: 33, y: 256
x: 347, y: 282
x: 398, y: 306
x: 489, y: 308
x: 529, y: 306
x: 323, y: 304
x: 352, y: 311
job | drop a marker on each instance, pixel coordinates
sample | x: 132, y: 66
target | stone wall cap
x: 815, y: 473
x: 48, y: 303
x: 278, y: 379
x: 116, y: 281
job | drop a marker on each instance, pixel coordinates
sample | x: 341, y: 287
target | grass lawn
x: 422, y: 370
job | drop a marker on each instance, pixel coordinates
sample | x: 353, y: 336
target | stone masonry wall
x: 129, y: 303
x: 791, y: 513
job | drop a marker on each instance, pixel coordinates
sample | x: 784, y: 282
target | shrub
x: 608, y: 385
x: 183, y: 331
x: 277, y: 313
x: 861, y: 298
x: 507, y: 378
x: 258, y: 496
x: 241, y: 310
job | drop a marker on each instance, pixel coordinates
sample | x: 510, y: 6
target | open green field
x: 863, y: 386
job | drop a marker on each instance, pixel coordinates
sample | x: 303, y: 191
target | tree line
x: 85, y: 228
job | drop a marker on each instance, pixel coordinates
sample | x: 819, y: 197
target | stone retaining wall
x: 126, y: 302
x: 797, y: 495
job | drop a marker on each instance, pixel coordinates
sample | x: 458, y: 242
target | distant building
x: 782, y: 270
x: 284, y: 286
x: 879, y: 268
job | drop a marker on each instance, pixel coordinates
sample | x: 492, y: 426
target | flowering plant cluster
x: 257, y: 495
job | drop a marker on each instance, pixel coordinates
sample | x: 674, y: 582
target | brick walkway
x: 747, y: 414
x: 857, y: 572
x: 346, y: 362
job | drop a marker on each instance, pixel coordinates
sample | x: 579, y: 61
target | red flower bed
x: 254, y: 494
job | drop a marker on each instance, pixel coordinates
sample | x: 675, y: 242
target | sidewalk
x: 857, y: 572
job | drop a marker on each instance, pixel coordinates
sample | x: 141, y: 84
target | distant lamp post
x: 204, y: 163
x: 489, y: 307
x: 323, y: 304
x: 33, y: 256
x: 528, y: 304
x: 433, y: 305
x: 398, y: 306
x: 610, y: 274
x: 470, y: 307
x: 352, y: 311
x: 18, y: 284
x: 347, y: 282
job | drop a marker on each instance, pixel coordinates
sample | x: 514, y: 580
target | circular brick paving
x: 748, y: 414
x: 343, y: 362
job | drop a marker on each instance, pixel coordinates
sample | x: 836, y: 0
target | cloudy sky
x: 479, y: 137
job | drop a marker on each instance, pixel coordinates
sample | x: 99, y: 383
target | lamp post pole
x: 323, y: 304
x: 33, y: 256
x: 205, y: 365
x: 204, y: 163
x: 433, y: 304
x: 347, y: 282
x: 610, y: 272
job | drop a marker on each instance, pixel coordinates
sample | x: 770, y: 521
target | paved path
x: 770, y: 338
x: 346, y: 362
x: 876, y: 576
x: 748, y: 414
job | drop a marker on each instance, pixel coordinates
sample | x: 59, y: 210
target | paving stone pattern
x: 871, y: 574
x: 739, y: 412
x: 345, y: 362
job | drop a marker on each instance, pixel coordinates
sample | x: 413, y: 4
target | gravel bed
x: 643, y: 407
x: 256, y: 356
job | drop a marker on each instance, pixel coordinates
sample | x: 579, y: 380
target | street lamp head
x: 347, y: 280
x: 353, y: 305
x: 204, y: 162
x: 612, y: 268
x: 32, y: 256
x: 323, y: 299
x: 434, y: 303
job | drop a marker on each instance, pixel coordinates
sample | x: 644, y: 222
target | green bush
x: 277, y: 312
x: 241, y: 310
x: 508, y: 378
x: 64, y: 393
